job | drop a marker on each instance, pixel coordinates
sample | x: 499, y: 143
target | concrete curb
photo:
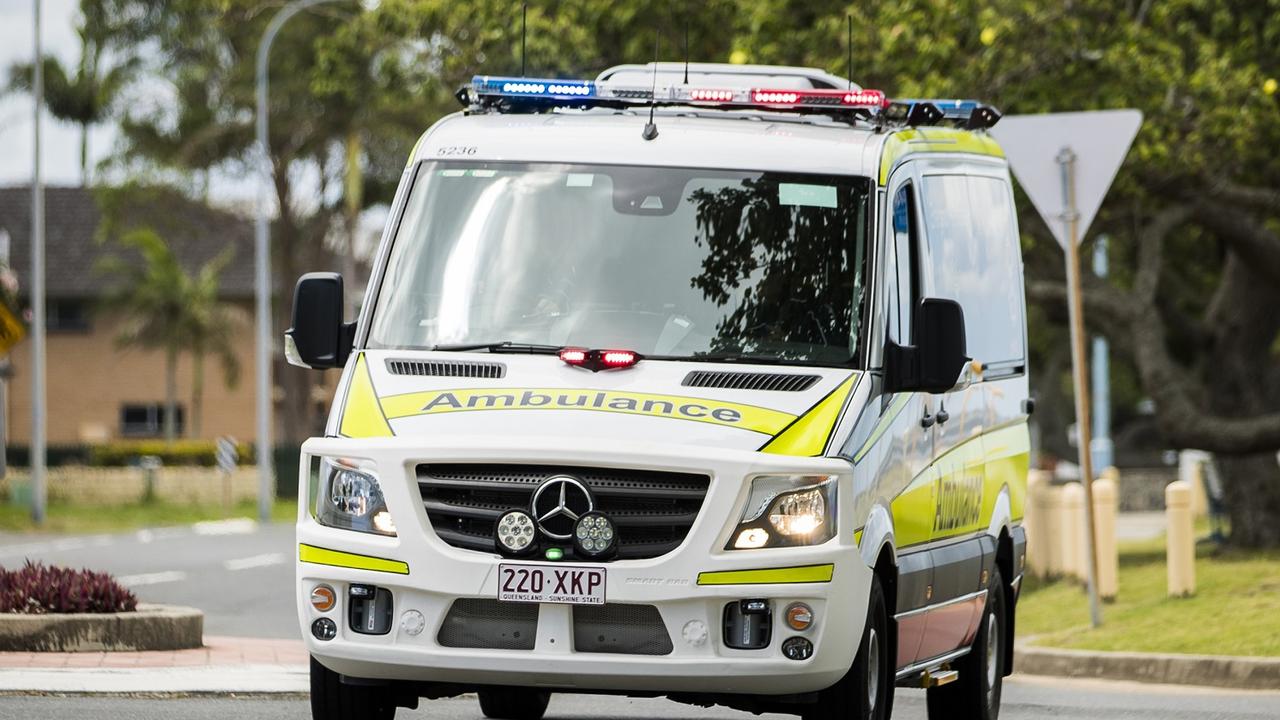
x: 151, y: 627
x: 215, y: 680
x: 1224, y: 671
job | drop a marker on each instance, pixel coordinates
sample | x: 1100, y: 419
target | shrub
x: 38, y: 589
x: 180, y: 452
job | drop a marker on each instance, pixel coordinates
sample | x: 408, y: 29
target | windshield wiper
x: 738, y: 357
x: 505, y: 346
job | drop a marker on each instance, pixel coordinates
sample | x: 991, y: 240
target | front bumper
x: 438, y: 574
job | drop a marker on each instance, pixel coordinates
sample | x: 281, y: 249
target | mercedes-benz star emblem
x: 558, y: 503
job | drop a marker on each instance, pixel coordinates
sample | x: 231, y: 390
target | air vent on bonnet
x: 447, y: 368
x: 781, y: 382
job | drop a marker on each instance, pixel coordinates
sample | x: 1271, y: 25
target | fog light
x: 323, y: 598
x: 752, y: 538
x: 383, y: 523
x: 324, y: 629
x: 516, y: 533
x: 594, y: 536
x: 797, y: 648
x: 799, y: 616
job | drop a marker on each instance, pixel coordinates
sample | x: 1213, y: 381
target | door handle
x: 927, y: 421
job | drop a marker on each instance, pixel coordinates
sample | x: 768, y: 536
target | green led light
x: 555, y: 553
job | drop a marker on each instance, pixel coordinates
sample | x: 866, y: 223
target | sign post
x: 1066, y: 162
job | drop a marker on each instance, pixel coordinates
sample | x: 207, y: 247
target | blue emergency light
x: 544, y: 88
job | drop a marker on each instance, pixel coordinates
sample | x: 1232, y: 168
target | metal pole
x: 38, y: 491
x: 1102, y: 447
x: 262, y: 264
x: 1071, y: 218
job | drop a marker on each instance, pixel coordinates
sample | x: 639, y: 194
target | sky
x: 60, y: 142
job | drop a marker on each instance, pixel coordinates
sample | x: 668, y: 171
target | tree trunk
x: 197, y: 394
x: 1251, y: 486
x: 170, y: 394
x: 1245, y: 324
x: 84, y: 155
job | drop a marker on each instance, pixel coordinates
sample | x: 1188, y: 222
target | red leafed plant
x: 38, y: 589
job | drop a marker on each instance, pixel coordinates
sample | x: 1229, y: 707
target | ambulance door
x: 954, y: 261
x: 911, y: 453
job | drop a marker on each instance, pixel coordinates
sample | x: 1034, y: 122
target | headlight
x: 785, y: 510
x: 351, y: 498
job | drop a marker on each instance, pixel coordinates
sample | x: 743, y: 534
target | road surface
x: 1025, y: 699
x: 238, y: 572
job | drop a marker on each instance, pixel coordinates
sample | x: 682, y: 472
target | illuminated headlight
x: 351, y: 498
x: 785, y: 510
x: 594, y: 536
x: 515, y: 533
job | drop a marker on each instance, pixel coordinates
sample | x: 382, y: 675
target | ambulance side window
x: 902, y: 277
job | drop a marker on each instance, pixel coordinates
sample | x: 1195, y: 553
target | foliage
x: 78, y: 518
x: 201, y: 453
x: 38, y: 589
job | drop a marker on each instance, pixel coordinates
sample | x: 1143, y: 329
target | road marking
x: 152, y: 578
x: 256, y: 561
x: 236, y: 526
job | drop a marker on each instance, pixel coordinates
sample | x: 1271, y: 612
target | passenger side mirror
x: 319, y: 339
x: 934, y: 363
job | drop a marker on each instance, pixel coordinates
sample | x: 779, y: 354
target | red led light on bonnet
x: 617, y: 358
x: 573, y: 356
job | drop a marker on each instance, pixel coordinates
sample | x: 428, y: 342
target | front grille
x: 447, y: 368
x: 733, y: 380
x: 489, y: 625
x: 617, y: 628
x: 652, y: 510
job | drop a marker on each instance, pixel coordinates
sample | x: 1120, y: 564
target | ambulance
x: 704, y: 382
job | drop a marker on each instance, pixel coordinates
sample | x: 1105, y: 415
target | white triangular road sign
x: 1100, y: 141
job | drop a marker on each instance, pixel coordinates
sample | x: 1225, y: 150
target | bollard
x: 1104, y: 520
x: 1180, y: 537
x: 1033, y: 522
x: 1071, y: 525
x: 1052, y: 533
x: 1199, y: 498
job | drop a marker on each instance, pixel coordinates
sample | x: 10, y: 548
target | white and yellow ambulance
x: 710, y: 386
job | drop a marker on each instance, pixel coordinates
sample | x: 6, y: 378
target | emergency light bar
x: 516, y: 94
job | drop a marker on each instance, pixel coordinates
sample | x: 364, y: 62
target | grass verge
x: 72, y: 518
x: 1235, y: 611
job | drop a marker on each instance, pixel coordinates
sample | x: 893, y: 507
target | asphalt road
x: 238, y: 572
x: 1025, y: 699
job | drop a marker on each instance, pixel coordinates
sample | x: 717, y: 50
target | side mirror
x: 319, y: 338
x: 934, y: 363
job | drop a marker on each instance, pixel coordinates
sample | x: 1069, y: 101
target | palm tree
x: 85, y: 97
x: 167, y: 309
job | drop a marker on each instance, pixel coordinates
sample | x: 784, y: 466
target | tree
x: 87, y: 96
x: 1194, y: 215
x: 165, y: 308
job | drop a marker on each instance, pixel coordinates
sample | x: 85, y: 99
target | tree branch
x: 1252, y: 240
x: 1262, y: 198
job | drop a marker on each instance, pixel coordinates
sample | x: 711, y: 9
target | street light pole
x: 262, y: 263
x: 38, y: 410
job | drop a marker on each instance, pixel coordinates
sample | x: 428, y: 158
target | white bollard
x: 1072, y: 529
x: 1180, y: 536
x: 1104, y: 520
x: 1051, y: 498
x: 1033, y: 521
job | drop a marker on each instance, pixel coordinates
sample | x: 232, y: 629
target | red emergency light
x: 597, y: 360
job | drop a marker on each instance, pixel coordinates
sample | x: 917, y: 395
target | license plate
x: 567, y: 584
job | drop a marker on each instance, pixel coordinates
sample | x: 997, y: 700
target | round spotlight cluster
x: 594, y: 535
x: 516, y: 532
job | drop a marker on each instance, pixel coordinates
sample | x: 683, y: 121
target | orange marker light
x: 323, y: 598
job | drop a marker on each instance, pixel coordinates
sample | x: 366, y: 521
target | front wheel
x: 975, y: 695
x: 866, y: 691
x: 513, y: 703
x: 332, y: 699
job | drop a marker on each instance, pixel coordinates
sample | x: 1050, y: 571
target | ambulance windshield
x: 675, y: 263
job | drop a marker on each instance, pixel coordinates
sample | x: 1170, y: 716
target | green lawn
x: 78, y: 518
x: 1235, y: 611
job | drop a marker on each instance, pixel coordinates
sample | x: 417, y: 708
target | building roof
x: 73, y: 250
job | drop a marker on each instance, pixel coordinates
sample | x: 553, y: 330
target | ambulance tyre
x: 866, y: 691
x: 332, y: 699
x: 508, y: 703
x: 975, y: 695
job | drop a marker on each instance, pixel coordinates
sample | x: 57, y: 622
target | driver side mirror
x: 934, y: 363
x: 319, y: 339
